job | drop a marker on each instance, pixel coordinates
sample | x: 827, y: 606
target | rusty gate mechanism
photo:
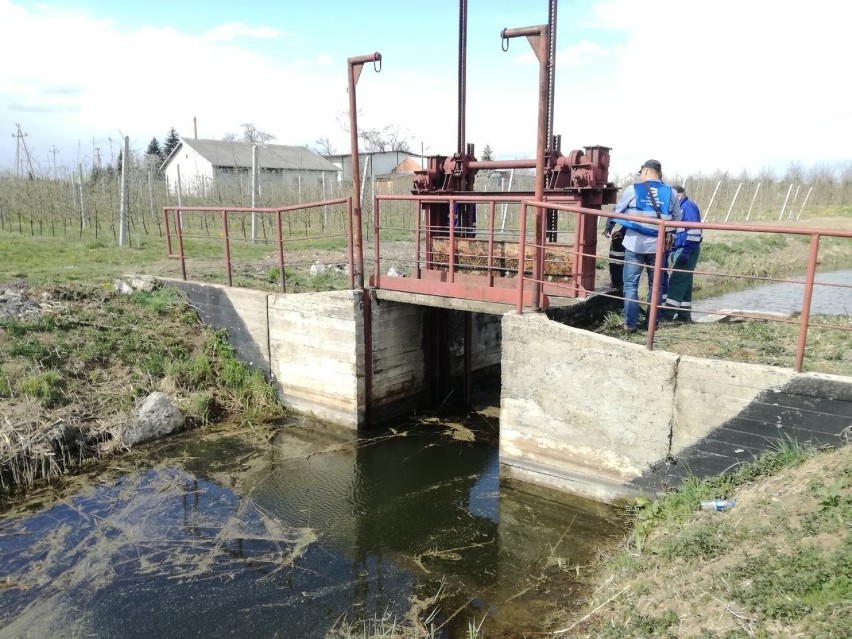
x: 579, y: 177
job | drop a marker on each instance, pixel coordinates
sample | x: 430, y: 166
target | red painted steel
x: 809, y: 282
x: 278, y: 212
x: 280, y: 233
x: 227, y: 245
x: 354, y: 66
x: 806, y: 301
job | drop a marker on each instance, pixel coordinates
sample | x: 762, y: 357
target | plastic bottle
x: 718, y: 504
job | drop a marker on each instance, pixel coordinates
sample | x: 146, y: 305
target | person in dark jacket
x: 616, y: 256
x: 649, y: 197
x: 685, y: 252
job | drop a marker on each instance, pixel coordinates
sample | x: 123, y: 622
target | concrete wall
x: 579, y: 411
x: 401, y: 359
x: 311, y: 345
x: 316, y: 349
x: 242, y: 312
x: 606, y: 419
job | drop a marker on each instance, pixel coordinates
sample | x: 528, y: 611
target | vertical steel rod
x: 806, y: 303
x: 227, y: 244
x: 280, y: 232
x: 355, y: 65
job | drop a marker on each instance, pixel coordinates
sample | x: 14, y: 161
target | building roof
x: 223, y: 153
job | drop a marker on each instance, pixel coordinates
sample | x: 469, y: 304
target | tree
x: 487, y: 154
x: 253, y: 135
x: 324, y: 146
x: 154, y: 151
x: 389, y: 138
x: 172, y: 140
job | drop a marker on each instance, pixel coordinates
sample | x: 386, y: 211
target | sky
x: 745, y: 85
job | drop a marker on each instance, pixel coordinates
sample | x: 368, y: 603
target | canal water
x: 307, y: 534
x: 786, y: 297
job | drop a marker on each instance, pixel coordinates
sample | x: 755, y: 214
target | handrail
x: 224, y: 211
x: 663, y: 225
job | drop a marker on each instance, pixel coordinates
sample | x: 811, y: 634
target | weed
x: 43, y: 387
x: 829, y: 496
x: 787, y: 586
x: 200, y: 406
x: 5, y: 386
x: 160, y: 300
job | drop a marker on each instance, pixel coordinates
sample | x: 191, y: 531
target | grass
x: 92, y: 354
x: 778, y: 565
x: 757, y: 342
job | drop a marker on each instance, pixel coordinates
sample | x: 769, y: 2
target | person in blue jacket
x: 640, y: 238
x: 685, y: 252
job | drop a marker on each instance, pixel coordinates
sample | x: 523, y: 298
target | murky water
x: 223, y: 534
x: 786, y: 297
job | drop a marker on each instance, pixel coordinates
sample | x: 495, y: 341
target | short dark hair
x: 679, y: 188
x: 653, y: 164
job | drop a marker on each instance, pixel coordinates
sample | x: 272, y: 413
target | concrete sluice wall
x: 312, y: 346
x: 606, y: 419
x: 579, y: 412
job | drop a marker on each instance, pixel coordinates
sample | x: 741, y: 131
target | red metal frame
x: 663, y: 225
x: 278, y: 212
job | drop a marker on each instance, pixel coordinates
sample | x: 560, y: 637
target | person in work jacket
x: 640, y: 239
x: 616, y: 256
x: 685, y: 251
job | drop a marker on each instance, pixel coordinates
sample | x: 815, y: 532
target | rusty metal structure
x: 579, y: 177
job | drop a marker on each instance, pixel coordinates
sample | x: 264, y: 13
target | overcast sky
x: 701, y: 86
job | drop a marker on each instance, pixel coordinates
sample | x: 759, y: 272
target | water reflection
x: 222, y: 536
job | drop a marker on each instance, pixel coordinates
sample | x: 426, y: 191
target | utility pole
x: 54, y: 152
x: 19, y: 142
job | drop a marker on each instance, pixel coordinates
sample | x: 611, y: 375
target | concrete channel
x: 579, y: 412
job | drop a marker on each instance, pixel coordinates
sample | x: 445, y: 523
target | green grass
x: 773, y: 575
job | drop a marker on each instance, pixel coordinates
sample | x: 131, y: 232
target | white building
x: 378, y: 163
x: 207, y: 165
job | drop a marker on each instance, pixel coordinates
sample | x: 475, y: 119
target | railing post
x: 806, y: 303
x: 522, y: 250
x: 179, y: 231
x: 227, y: 244
x: 491, y: 207
x: 168, y: 233
x: 452, y: 249
x: 417, y: 236
x: 377, y: 267
x: 280, y: 233
x: 349, y: 243
x: 655, y: 289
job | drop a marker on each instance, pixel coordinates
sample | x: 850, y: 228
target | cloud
x: 233, y: 30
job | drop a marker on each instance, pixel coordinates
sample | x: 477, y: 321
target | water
x: 214, y: 535
x: 786, y: 297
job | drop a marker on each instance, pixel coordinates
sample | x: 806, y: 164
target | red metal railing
x: 174, y: 228
x: 809, y: 282
x: 450, y: 272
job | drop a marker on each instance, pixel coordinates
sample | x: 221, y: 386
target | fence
x: 88, y: 204
x: 538, y: 277
x: 222, y: 235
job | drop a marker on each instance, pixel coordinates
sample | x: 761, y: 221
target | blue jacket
x: 690, y: 213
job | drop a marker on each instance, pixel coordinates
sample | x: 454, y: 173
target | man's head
x: 681, y: 192
x: 651, y: 170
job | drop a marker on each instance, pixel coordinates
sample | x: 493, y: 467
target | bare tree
x: 324, y: 146
x: 251, y: 135
x: 389, y: 138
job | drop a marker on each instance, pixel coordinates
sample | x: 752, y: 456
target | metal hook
x: 504, y: 43
x: 377, y: 65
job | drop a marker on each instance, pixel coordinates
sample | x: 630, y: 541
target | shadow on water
x: 225, y: 534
